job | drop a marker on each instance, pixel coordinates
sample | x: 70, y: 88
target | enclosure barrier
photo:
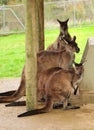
x: 80, y: 13
x: 86, y: 92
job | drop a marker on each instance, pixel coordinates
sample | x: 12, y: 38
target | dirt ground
x: 78, y: 119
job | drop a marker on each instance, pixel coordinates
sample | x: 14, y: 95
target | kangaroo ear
x: 59, y: 21
x: 83, y: 62
x: 74, y: 67
x: 74, y: 38
x: 67, y: 20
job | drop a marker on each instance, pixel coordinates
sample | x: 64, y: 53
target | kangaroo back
x: 42, y: 79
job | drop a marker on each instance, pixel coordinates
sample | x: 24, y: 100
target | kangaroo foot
x: 19, y: 103
x: 57, y: 106
x: 75, y: 107
x: 72, y: 107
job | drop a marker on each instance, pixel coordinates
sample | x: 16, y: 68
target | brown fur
x: 42, y: 79
x: 46, y: 60
x: 59, y: 87
x: 57, y: 45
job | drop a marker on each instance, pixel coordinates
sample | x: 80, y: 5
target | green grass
x: 12, y: 55
x: 12, y: 49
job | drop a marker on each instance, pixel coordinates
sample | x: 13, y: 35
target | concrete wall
x: 88, y: 80
x: 86, y: 91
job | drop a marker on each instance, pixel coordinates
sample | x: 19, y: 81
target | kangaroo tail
x: 8, y: 93
x: 45, y: 109
x: 19, y: 103
x: 17, y: 94
x: 33, y: 112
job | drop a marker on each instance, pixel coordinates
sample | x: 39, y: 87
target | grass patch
x: 12, y: 49
x: 12, y: 55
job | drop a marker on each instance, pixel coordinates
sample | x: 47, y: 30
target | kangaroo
x: 46, y: 60
x: 63, y: 34
x: 44, y: 76
x: 57, y: 46
x: 63, y: 58
x: 58, y: 88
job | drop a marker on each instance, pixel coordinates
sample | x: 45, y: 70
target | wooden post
x: 32, y: 45
x: 41, y: 24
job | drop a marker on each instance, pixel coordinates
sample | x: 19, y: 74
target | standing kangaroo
x: 59, y: 87
x: 57, y: 46
x: 47, y: 60
x: 63, y: 34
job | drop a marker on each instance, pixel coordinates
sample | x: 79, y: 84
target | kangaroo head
x: 63, y: 26
x: 79, y: 68
x: 68, y: 45
x: 73, y: 45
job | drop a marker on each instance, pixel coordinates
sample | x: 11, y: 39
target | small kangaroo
x: 63, y: 34
x: 44, y: 76
x: 59, y: 87
x: 46, y: 60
